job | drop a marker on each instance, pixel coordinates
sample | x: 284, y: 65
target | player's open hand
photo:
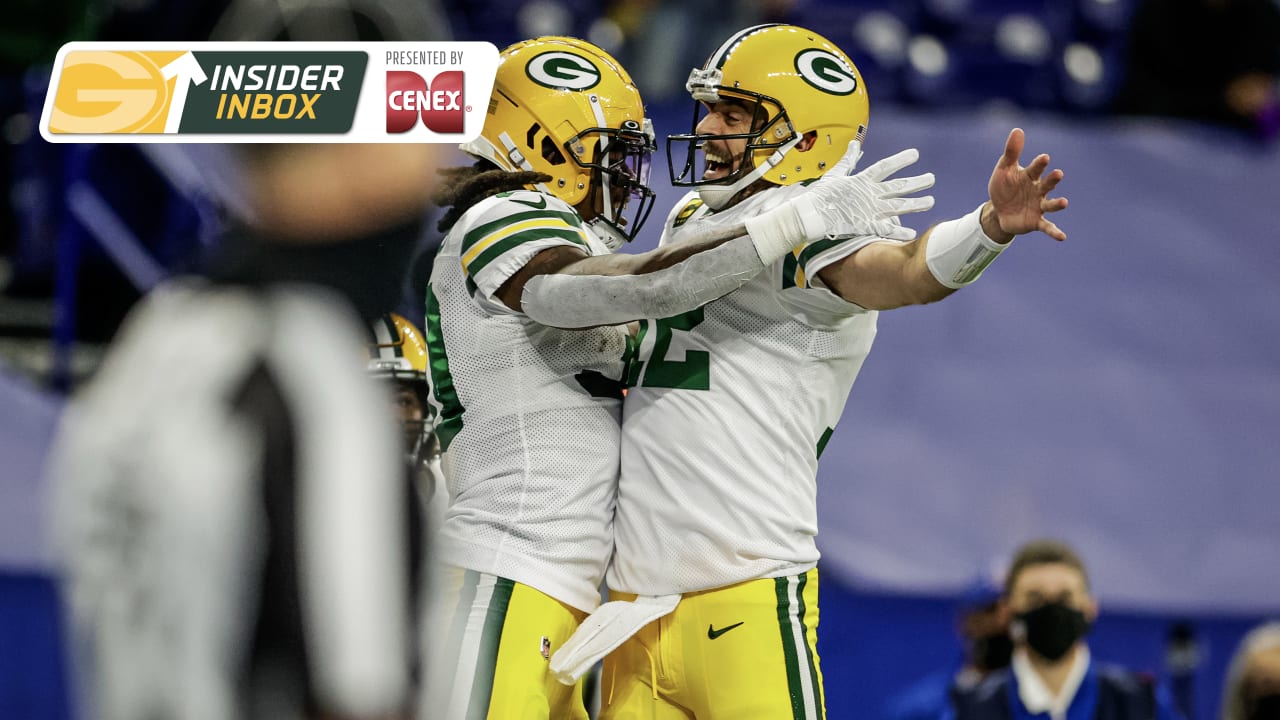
x: 1020, y: 195
x: 868, y: 203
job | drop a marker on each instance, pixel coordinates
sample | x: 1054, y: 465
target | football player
x: 398, y: 357
x: 528, y: 411
x: 731, y: 404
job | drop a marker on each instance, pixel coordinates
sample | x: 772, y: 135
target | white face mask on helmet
x: 798, y: 84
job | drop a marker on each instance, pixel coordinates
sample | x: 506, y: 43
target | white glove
x: 842, y: 205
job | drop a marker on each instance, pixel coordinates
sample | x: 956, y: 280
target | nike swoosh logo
x: 540, y: 205
x: 713, y: 633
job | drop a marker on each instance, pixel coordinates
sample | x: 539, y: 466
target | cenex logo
x: 440, y: 105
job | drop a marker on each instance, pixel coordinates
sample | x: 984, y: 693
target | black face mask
x: 1263, y: 707
x: 992, y: 652
x: 1053, y: 628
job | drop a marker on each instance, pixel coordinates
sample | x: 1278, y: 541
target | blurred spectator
x: 1209, y: 60
x: 983, y: 629
x: 1252, y: 687
x: 398, y: 358
x: 1051, y: 609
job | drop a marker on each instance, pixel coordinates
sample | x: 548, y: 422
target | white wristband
x: 958, y: 250
x: 777, y: 232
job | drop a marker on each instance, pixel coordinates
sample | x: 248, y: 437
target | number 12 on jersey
x: 692, y: 373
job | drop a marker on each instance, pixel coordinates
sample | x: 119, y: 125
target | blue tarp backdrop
x: 1120, y: 391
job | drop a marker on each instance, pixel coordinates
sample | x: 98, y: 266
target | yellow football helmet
x: 565, y: 107
x: 798, y: 82
x: 398, y: 354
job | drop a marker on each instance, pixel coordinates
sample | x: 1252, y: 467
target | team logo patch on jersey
x: 563, y: 70
x: 546, y: 648
x: 687, y: 212
x: 825, y: 71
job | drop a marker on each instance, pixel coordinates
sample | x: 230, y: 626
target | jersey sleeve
x: 689, y: 207
x: 506, y: 235
x: 804, y: 291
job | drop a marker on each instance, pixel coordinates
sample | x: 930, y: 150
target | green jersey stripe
x: 487, y: 659
x: 789, y: 266
x: 808, y: 651
x: 817, y: 247
x: 789, y: 651
x: 499, y: 248
x: 478, y: 233
x: 822, y: 441
x: 451, y: 410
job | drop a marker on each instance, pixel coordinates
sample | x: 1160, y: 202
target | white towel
x: 605, y: 629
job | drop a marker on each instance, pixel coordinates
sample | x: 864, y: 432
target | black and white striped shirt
x: 232, y: 515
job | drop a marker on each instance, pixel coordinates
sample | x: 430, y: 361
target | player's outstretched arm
x: 707, y: 264
x: 952, y: 254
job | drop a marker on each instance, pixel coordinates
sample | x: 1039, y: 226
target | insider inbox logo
x: 245, y: 92
x: 196, y: 92
x: 438, y: 99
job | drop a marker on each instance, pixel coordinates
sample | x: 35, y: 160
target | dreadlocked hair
x: 463, y: 187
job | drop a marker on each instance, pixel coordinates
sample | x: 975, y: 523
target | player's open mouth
x: 718, y: 165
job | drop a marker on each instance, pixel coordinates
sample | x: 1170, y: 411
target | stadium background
x: 1121, y: 391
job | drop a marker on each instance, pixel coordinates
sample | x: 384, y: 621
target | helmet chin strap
x: 718, y: 197
x: 604, y: 226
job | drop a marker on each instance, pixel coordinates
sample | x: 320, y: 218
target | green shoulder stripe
x: 480, y: 232
x: 814, y: 248
x: 499, y: 248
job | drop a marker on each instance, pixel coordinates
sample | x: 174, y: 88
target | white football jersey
x: 528, y: 415
x: 728, y: 410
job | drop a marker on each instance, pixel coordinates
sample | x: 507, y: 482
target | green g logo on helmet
x: 826, y: 71
x: 562, y: 70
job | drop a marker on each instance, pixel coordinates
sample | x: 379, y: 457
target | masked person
x: 1252, y: 687
x: 1052, y: 675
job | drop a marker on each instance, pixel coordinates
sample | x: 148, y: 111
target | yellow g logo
x: 104, y: 92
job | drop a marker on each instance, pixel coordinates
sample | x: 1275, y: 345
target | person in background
x: 983, y: 629
x: 398, y: 358
x: 1050, y: 608
x: 1252, y: 687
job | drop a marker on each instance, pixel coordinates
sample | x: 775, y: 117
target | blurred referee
x: 232, y: 506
